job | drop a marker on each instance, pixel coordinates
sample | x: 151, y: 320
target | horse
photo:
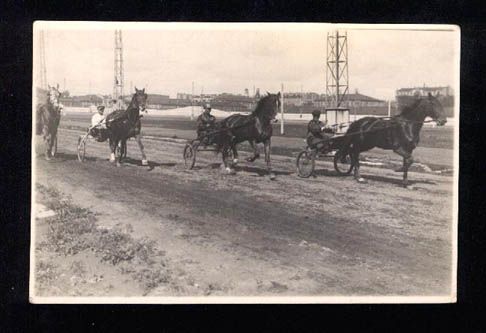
x: 125, y: 124
x: 48, y: 116
x: 254, y: 128
x: 399, y: 133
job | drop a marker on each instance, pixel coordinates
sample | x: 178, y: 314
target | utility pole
x: 282, y: 111
x: 42, y: 62
x: 192, y: 101
x: 301, y: 99
x: 337, y: 79
x: 118, y: 66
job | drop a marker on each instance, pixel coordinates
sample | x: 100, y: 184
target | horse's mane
x: 262, y: 105
x: 408, y: 109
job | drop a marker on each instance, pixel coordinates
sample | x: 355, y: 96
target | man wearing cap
x: 315, y: 132
x: 204, y: 122
x: 98, y: 123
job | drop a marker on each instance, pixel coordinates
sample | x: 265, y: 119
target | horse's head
x: 268, y: 106
x: 140, y: 99
x: 53, y: 95
x: 435, y: 110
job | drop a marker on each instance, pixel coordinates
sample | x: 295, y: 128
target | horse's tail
x: 347, y: 139
x: 222, y: 139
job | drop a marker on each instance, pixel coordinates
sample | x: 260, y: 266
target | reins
x: 378, y: 129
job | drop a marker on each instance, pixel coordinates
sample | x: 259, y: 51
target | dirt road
x: 243, y: 234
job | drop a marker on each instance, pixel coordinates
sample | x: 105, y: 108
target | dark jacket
x: 205, y: 120
x: 314, y: 129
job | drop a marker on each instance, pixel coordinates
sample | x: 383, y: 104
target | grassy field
x: 438, y: 137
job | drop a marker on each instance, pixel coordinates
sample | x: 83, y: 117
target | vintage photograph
x: 244, y: 163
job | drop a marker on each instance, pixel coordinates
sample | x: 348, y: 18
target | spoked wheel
x: 342, y: 165
x: 54, y: 148
x: 81, y: 148
x: 306, y: 161
x: 189, y: 155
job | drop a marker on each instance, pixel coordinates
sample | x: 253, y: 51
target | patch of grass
x: 74, y: 229
x: 45, y: 273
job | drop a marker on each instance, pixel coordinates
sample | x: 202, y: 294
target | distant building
x: 291, y: 98
x: 357, y: 103
x: 407, y: 96
x: 230, y: 102
x: 352, y: 100
x: 156, y: 101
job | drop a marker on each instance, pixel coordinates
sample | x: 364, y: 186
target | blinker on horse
x: 124, y: 124
x: 48, y: 116
x: 254, y: 128
x: 400, y: 133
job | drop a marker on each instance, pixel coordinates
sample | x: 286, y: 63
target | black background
x: 16, y: 314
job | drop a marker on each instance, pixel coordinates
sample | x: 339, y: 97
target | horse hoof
x: 145, y: 162
x: 361, y: 180
x: 235, y: 161
x: 230, y: 171
x: 48, y: 158
x: 272, y: 176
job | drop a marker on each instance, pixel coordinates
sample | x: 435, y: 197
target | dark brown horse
x: 48, y: 116
x: 254, y: 128
x: 125, y: 124
x: 400, y: 133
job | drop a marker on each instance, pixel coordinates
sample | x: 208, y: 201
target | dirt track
x: 246, y: 235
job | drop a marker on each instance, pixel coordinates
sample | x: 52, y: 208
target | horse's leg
x: 267, y: 159
x: 225, y: 165
x: 235, y: 154
x: 256, y: 154
x: 355, y: 162
x: 117, y: 153
x: 407, y: 162
x: 112, y: 150
x: 48, y: 143
x: 138, y: 138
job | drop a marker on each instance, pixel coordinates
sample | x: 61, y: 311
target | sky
x: 167, y: 58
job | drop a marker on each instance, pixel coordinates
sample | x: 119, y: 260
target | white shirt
x: 97, y: 118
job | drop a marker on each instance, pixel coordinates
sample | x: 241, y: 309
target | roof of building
x: 423, y: 88
x: 157, y: 98
x: 355, y: 97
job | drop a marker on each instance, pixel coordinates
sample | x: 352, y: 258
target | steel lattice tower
x: 42, y: 62
x: 119, y: 77
x: 337, y: 79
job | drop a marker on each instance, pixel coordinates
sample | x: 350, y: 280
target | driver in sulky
x: 316, y: 132
x: 98, y: 123
x: 205, y: 121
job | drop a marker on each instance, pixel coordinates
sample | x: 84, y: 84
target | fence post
x: 282, y: 111
x: 192, y: 101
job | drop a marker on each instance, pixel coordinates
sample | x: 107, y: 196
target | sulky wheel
x: 342, y: 165
x: 189, y: 156
x: 305, y: 163
x: 81, y: 148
